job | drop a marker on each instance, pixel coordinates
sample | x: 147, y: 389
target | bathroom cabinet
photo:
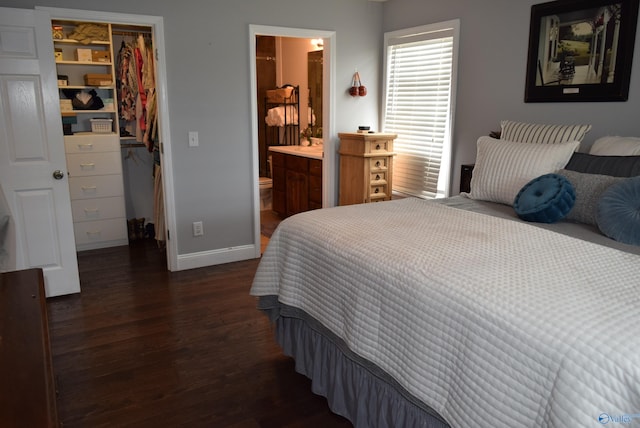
x: 366, y: 167
x: 297, y: 183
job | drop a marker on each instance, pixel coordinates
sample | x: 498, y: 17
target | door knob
x: 57, y: 174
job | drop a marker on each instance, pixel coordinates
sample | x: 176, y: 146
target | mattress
x: 481, y: 318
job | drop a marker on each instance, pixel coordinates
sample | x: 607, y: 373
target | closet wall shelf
x: 110, y: 87
x: 75, y: 112
x: 69, y: 62
x: 131, y: 145
x: 75, y: 42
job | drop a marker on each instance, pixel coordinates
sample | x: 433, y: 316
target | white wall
x: 494, y: 37
x: 207, y: 49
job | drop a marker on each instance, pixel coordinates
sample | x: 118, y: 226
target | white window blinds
x: 418, y: 107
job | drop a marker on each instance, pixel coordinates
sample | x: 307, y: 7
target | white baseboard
x: 216, y: 257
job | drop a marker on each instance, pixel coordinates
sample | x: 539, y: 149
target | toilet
x: 265, y: 185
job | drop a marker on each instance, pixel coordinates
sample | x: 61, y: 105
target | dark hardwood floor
x: 144, y: 347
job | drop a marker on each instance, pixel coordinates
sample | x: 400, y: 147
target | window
x: 420, y: 75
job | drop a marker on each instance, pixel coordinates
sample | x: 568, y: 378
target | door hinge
x: 156, y: 54
x: 168, y: 235
x: 161, y: 148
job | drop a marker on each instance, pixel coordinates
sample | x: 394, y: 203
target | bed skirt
x: 354, y: 387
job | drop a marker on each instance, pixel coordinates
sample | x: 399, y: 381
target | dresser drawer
x: 99, y: 186
x: 92, y: 232
x: 81, y: 164
x: 378, y: 192
x: 379, y: 164
x: 379, y: 147
x: 98, y: 209
x: 91, y: 143
x: 379, y: 177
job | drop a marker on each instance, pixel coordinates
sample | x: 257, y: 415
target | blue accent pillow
x: 618, y: 213
x: 545, y: 199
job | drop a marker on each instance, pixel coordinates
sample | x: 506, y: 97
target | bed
x: 456, y: 312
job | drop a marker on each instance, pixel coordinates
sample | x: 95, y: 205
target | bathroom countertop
x: 313, y: 152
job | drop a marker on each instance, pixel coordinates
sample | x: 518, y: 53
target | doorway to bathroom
x: 301, y: 59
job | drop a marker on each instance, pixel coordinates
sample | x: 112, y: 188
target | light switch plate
x: 193, y: 139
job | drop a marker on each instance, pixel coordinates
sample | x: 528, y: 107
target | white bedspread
x: 491, y: 322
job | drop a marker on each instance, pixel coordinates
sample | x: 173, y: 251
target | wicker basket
x: 101, y: 126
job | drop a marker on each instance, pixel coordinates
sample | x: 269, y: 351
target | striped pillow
x: 535, y: 133
x: 503, y: 167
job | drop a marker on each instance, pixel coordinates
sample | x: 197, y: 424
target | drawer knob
x: 378, y: 163
x: 377, y: 176
x: 376, y: 191
x: 58, y: 175
x: 378, y: 147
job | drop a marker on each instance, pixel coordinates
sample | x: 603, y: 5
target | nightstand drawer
x: 378, y: 192
x: 379, y: 164
x: 379, y: 147
x: 379, y: 177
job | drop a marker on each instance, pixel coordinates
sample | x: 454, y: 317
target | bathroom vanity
x: 297, y: 178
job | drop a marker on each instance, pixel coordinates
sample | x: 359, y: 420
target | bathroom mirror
x: 314, y: 67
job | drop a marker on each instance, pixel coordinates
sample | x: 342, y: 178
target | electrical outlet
x: 193, y: 139
x: 197, y: 228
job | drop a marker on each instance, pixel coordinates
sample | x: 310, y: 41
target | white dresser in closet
x: 97, y: 192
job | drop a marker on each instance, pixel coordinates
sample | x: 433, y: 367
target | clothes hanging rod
x: 131, y: 33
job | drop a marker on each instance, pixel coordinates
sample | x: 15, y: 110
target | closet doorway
x: 266, y: 74
x: 137, y: 157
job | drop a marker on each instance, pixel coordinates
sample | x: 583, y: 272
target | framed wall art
x: 581, y: 50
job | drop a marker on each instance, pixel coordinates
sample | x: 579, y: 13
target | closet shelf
x: 86, y: 87
x: 75, y: 42
x: 68, y: 62
x: 75, y: 112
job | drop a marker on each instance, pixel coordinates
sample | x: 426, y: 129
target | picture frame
x: 581, y: 50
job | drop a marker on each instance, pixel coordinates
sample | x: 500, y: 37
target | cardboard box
x: 58, y: 54
x: 100, y: 56
x: 63, y: 80
x: 98, y: 79
x: 83, y: 54
x: 66, y: 105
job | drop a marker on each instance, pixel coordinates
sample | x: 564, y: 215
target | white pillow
x: 536, y: 133
x: 503, y: 167
x: 616, y: 146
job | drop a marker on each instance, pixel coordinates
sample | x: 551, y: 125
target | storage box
x: 101, y: 126
x: 57, y: 32
x: 57, y: 54
x: 66, y: 105
x: 98, y: 79
x: 279, y: 95
x: 108, y: 104
x: 100, y: 56
x: 63, y: 80
x: 83, y: 54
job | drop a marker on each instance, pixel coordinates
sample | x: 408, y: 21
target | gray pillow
x: 617, y: 166
x: 588, y: 188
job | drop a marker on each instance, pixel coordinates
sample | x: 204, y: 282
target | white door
x: 33, y: 171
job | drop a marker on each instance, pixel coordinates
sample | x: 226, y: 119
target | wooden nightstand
x: 366, y: 167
